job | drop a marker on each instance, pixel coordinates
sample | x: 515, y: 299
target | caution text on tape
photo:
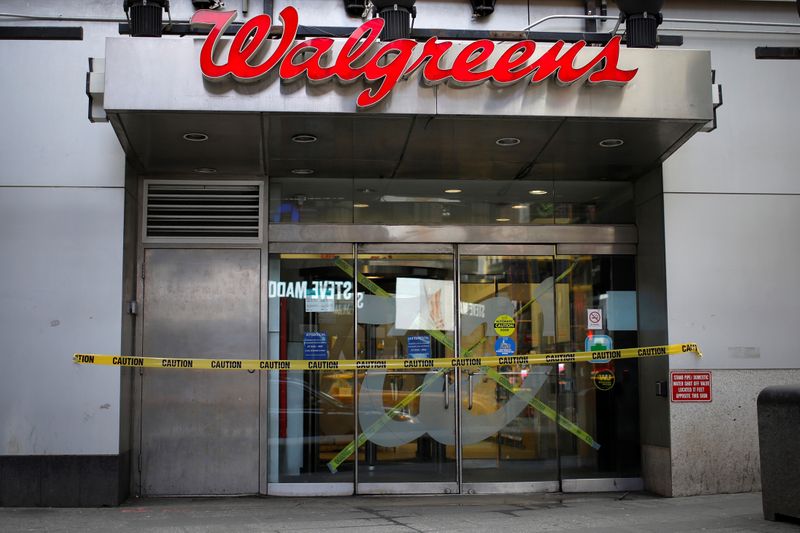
x: 383, y: 364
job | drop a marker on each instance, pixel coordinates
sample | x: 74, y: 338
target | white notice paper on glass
x: 425, y: 304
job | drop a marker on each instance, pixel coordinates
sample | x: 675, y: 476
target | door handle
x: 469, y: 390
x: 447, y: 391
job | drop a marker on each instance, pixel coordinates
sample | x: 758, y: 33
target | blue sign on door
x: 505, y: 346
x: 597, y: 343
x: 419, y: 346
x: 315, y: 345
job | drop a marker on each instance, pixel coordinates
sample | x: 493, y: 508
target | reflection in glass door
x: 406, y: 418
x: 507, y: 429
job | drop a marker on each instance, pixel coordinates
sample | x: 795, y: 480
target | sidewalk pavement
x: 596, y: 513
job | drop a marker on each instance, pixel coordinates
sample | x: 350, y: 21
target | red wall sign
x: 690, y: 386
x: 391, y: 61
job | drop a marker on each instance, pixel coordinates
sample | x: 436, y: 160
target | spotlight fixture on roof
x: 355, y: 8
x: 145, y: 16
x: 207, y: 4
x: 482, y: 8
x: 398, y: 15
x: 642, y: 18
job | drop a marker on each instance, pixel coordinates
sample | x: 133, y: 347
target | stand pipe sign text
x: 394, y: 60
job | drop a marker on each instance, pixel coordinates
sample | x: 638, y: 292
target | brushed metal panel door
x: 200, y: 429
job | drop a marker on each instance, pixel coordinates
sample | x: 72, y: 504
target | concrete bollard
x: 779, y: 442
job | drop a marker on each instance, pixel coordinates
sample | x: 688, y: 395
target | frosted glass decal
x: 433, y: 418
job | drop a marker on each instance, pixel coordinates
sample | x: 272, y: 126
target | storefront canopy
x: 153, y: 91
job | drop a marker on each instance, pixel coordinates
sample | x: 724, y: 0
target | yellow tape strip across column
x: 383, y: 364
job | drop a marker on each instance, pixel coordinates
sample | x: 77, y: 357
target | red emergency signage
x: 690, y: 386
x: 384, y: 64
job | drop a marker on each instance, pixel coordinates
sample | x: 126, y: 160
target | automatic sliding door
x: 508, y: 431
x: 602, y: 398
x: 311, y: 414
x: 406, y: 310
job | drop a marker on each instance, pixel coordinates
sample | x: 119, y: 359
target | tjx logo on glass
x: 383, y: 66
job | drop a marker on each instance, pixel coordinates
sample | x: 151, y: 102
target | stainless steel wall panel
x: 171, y: 80
x: 619, y: 484
x: 200, y: 430
x: 452, y: 234
x: 310, y: 248
x: 509, y: 488
x: 404, y: 248
x: 596, y: 249
x: 670, y: 84
x: 506, y: 249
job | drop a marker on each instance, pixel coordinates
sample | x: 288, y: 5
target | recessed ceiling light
x: 507, y: 141
x: 304, y: 138
x: 195, y: 137
x: 452, y: 191
x: 537, y: 192
x: 611, y: 143
x: 205, y: 170
x: 519, y: 206
x: 360, y: 205
x: 302, y: 171
x: 503, y: 219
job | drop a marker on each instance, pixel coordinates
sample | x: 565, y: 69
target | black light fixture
x: 355, y: 8
x: 642, y: 18
x: 207, y: 4
x: 482, y: 8
x: 145, y: 16
x: 398, y: 15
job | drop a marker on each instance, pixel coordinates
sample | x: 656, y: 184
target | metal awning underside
x: 154, y: 93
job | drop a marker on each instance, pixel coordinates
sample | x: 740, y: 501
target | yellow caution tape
x: 383, y: 364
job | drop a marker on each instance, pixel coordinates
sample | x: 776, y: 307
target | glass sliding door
x: 508, y: 429
x: 406, y: 418
x: 311, y: 300
x: 602, y: 398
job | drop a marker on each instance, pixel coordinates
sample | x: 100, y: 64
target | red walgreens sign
x: 392, y: 61
x: 690, y: 386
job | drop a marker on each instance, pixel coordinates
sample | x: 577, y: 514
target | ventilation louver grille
x: 203, y: 211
